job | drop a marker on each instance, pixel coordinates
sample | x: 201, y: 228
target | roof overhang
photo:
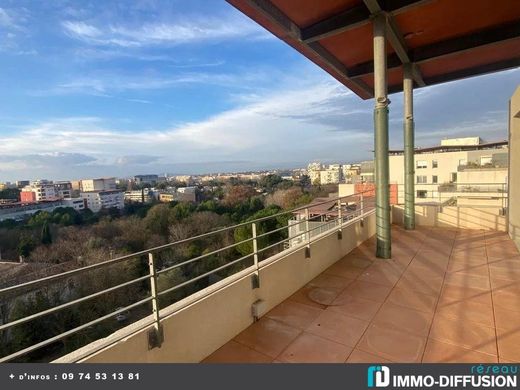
x: 444, y: 40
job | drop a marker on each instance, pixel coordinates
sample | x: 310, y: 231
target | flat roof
x: 445, y: 40
x: 453, y: 148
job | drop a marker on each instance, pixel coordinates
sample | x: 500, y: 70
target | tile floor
x: 446, y: 295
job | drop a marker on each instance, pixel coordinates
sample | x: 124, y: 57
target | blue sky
x: 98, y: 88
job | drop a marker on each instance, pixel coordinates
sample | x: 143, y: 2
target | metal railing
x: 359, y: 205
x: 458, y: 194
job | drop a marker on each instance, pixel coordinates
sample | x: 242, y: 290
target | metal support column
x: 383, y: 237
x: 409, y: 165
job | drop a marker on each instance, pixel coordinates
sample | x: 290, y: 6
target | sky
x: 118, y: 88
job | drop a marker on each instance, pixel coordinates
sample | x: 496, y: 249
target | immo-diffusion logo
x: 378, y: 376
x: 480, y: 376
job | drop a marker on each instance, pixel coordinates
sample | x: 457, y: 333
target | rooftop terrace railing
x: 263, y: 240
x: 453, y: 194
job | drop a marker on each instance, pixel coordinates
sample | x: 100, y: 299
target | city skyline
x: 117, y: 90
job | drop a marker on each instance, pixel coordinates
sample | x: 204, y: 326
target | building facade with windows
x: 97, y: 200
x: 436, y: 168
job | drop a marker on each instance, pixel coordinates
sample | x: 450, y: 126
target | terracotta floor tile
x: 440, y: 352
x: 338, y: 327
x: 505, y: 269
x: 315, y: 296
x: 294, y: 314
x: 460, y: 279
x: 308, y: 348
x: 500, y: 284
x: 367, y: 290
x: 392, y: 344
x: 413, y: 300
x: 450, y: 294
x: 268, y: 336
x: 233, y: 352
x: 433, y: 270
x: 480, y: 270
x: 464, y: 334
x: 358, y: 356
x: 420, y: 282
x: 344, y: 270
x: 508, y: 342
x: 493, y: 257
x: 507, y: 319
x: 405, y: 319
x: 330, y: 281
x: 386, y: 275
x: 352, y: 306
x: 356, y: 262
x: 468, y: 264
x: 507, y: 297
x: 467, y: 311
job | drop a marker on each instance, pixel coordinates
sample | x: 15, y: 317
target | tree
x: 46, y: 237
x: 305, y: 181
x: 25, y: 245
x: 237, y: 194
x: 269, y: 182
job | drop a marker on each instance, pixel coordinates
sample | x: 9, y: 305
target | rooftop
x: 454, y: 148
x: 447, y: 295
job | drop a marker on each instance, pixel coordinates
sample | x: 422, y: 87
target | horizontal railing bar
x: 204, y: 275
x: 203, y: 256
x: 71, y: 303
x: 71, y: 332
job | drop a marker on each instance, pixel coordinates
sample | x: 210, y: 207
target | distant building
x: 146, y: 179
x: 313, y: 171
x: 22, y: 183
x: 141, y: 196
x: 450, y: 166
x: 63, y: 189
x: 21, y: 210
x: 167, y: 197
x: 77, y: 204
x: 102, y: 184
x: 97, y: 200
x: 187, y: 194
x: 331, y: 175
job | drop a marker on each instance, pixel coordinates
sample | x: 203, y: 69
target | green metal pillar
x: 409, y: 163
x: 383, y: 233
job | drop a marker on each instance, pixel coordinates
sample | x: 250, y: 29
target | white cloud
x: 6, y: 20
x: 183, y: 31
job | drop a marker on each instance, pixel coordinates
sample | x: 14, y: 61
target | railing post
x: 340, y: 221
x: 255, y: 281
x: 308, y: 234
x: 155, y: 335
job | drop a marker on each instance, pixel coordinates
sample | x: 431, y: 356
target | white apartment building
x: 142, y: 196
x: 77, y: 204
x: 97, y: 200
x: 102, y: 184
x: 450, y: 165
x: 41, y: 190
x: 332, y: 175
x: 313, y: 171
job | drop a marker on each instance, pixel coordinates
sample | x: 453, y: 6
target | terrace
x: 448, y: 295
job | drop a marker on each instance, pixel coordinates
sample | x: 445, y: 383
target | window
x: 421, y: 164
x: 435, y: 163
x: 453, y: 177
x: 422, y: 194
x: 463, y: 161
x: 421, y: 179
x: 435, y: 179
x: 484, y: 160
